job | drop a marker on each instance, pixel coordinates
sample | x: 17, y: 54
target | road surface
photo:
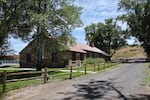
x: 122, y: 83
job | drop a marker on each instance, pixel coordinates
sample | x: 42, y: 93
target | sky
x: 93, y: 11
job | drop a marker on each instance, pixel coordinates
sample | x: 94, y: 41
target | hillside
x: 129, y: 52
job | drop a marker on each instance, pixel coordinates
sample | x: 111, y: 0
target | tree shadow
x: 100, y: 90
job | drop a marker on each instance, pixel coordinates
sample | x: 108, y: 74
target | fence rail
x: 5, y: 76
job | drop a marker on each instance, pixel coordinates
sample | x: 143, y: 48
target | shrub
x: 94, y: 60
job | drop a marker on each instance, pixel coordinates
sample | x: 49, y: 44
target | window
x: 54, y: 57
x: 29, y: 57
x: 81, y: 56
x: 73, y: 56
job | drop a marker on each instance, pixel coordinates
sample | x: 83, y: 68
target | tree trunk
x: 39, y: 49
x: 147, y: 50
x: 39, y: 42
x: 148, y: 54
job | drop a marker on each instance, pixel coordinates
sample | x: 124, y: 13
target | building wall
x: 28, y: 57
x: 60, y: 61
x: 29, y: 50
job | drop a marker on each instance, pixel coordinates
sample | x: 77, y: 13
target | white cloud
x: 95, y: 11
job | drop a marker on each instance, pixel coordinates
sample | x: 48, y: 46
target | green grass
x: 1, y: 71
x: 58, y: 75
x: 1, y: 90
x: 94, y: 60
x: 57, y: 69
x: 147, y: 74
x: 14, y: 85
x: 19, y: 84
x: 76, y: 74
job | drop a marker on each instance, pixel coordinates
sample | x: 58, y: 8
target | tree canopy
x: 106, y: 36
x: 20, y: 17
x: 14, y: 20
x: 137, y: 17
x: 41, y: 17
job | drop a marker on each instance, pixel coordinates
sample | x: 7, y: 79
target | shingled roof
x: 83, y: 48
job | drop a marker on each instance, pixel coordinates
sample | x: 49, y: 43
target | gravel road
x: 122, y: 83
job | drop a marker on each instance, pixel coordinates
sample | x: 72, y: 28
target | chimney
x: 92, y: 44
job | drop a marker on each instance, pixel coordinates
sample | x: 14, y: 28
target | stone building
x: 74, y: 55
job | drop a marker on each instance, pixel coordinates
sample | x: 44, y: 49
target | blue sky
x: 93, y: 11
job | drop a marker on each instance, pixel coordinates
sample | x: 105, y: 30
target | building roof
x: 79, y: 47
x: 83, y: 48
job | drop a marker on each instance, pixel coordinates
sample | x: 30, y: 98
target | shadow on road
x: 100, y: 90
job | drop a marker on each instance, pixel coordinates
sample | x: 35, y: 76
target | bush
x: 94, y: 60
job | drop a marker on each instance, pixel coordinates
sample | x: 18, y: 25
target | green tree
x: 106, y: 36
x: 6, y: 49
x: 138, y: 20
x: 53, y: 18
x: 41, y: 17
x: 14, y: 20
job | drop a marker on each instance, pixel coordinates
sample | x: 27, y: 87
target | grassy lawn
x: 57, y: 69
x: 147, y: 74
x: 2, y: 70
x: 55, y: 75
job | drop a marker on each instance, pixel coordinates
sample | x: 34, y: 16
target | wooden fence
x: 5, y: 75
x: 96, y: 67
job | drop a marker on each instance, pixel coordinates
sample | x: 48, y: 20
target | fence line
x: 94, y: 67
x: 5, y: 75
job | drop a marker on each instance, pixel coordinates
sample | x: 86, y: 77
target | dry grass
x: 129, y: 52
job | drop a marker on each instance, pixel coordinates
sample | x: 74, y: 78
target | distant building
x: 73, y: 56
x: 11, y: 57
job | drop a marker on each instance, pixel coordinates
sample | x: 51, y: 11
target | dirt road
x: 122, y: 83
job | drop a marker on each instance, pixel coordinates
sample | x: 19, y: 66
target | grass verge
x: 146, y: 81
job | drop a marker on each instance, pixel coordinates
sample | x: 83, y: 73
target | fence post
x: 94, y: 67
x: 45, y: 75
x: 85, y: 68
x: 70, y: 72
x: 4, y: 80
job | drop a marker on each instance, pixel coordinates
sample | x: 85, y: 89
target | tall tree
x: 41, y: 17
x: 106, y: 36
x: 14, y: 20
x: 138, y: 19
x: 6, y: 49
x: 52, y: 17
